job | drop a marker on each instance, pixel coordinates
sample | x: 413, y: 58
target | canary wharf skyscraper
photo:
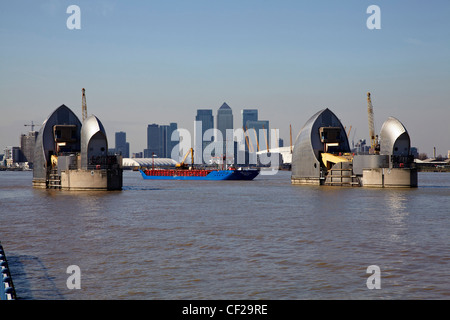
x: 206, y: 119
x: 225, y: 122
x: 249, y: 115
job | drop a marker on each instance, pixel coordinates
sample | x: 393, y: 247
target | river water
x: 261, y: 239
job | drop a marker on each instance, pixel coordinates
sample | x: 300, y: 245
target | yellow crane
x: 83, y: 104
x: 373, y: 138
x: 182, y: 164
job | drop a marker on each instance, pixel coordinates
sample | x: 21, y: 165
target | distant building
x: 252, y: 126
x: 166, y: 144
x: 153, y: 141
x: 224, y: 119
x: 12, y: 156
x: 173, y: 141
x: 224, y: 123
x: 159, y: 140
x: 137, y: 155
x: 259, y: 126
x: 163, y: 139
x: 248, y: 115
x: 122, y: 146
x: 361, y: 147
x: 206, y: 119
x: 27, y: 145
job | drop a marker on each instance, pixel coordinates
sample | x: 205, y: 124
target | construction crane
x: 182, y: 164
x: 32, y: 125
x: 375, y: 147
x: 83, y: 104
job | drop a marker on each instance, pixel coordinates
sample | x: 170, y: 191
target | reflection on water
x: 397, y: 201
x: 263, y: 239
x: 398, y: 214
x: 139, y: 188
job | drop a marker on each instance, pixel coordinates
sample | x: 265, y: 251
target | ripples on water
x: 263, y: 239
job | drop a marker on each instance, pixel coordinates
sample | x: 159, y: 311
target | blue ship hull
x: 215, y: 175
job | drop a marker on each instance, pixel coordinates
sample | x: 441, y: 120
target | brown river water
x: 261, y: 239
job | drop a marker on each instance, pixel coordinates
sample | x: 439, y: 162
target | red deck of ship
x: 174, y: 172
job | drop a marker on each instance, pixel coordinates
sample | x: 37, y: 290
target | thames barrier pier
x: 322, y: 156
x: 71, y: 155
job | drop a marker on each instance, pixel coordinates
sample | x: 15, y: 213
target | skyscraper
x: 122, y: 146
x: 166, y: 145
x: 27, y: 143
x: 252, y: 125
x: 225, y: 122
x: 159, y: 141
x: 259, y: 126
x: 173, y: 146
x: 163, y: 139
x: 153, y: 141
x: 206, y: 119
x: 224, y: 119
x: 248, y: 115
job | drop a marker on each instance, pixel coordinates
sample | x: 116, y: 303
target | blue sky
x: 145, y: 62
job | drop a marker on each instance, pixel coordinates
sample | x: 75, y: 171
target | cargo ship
x: 199, y: 174
x: 184, y: 172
